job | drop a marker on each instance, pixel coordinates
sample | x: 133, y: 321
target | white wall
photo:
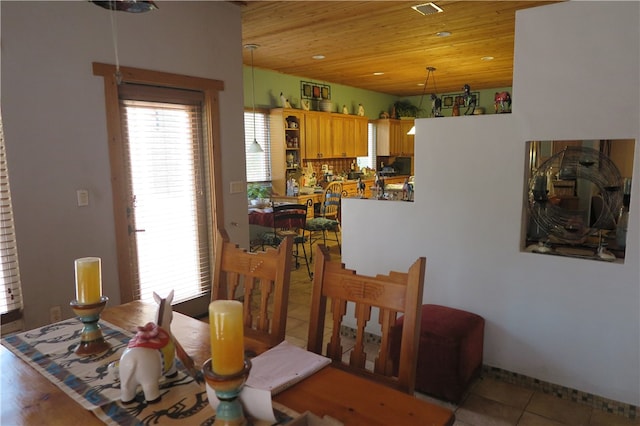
x: 568, y: 321
x: 53, y: 110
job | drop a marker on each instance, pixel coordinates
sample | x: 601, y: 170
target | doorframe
x: 210, y: 89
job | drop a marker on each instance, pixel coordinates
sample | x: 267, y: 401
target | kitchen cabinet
x: 406, y: 141
x: 331, y: 135
x: 317, y: 135
x: 392, y: 138
x: 309, y: 199
x: 361, y: 138
x: 298, y: 135
x: 349, y: 189
x: 349, y: 136
x: 342, y: 133
x: 324, y: 134
x: 341, y: 129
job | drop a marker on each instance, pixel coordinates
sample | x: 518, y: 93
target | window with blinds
x: 258, y: 164
x: 168, y: 210
x: 11, y: 300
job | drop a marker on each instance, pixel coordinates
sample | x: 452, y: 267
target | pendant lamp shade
x: 255, y: 147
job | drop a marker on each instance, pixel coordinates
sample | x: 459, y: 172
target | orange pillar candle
x: 227, y: 336
x: 88, y: 280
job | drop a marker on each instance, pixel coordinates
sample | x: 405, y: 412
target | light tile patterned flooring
x: 489, y: 402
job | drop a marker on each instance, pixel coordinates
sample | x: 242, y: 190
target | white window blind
x: 11, y: 300
x: 167, y: 166
x: 258, y: 164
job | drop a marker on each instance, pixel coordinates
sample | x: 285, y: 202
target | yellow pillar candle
x: 227, y: 336
x: 88, y: 280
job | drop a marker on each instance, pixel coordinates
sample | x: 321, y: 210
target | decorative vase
x: 326, y: 105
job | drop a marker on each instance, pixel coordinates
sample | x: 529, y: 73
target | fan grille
x: 426, y: 8
x: 574, y: 163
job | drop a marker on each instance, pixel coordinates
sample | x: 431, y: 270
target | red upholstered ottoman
x: 450, y: 350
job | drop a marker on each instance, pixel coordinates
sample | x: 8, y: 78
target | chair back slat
x: 334, y: 346
x: 261, y: 281
x: 398, y: 293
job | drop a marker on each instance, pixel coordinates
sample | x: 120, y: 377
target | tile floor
x: 488, y: 401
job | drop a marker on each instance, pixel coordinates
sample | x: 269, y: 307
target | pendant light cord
x: 255, y: 146
x: 430, y: 70
x: 114, y: 39
x: 424, y: 89
x: 253, y: 95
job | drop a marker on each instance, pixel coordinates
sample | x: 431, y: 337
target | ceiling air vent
x: 427, y: 8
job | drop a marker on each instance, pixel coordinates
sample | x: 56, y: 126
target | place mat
x: 50, y: 350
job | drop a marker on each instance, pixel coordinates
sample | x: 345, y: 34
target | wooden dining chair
x: 328, y: 219
x: 393, y: 294
x: 261, y: 281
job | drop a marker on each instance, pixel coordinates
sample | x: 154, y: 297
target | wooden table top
x: 28, y: 398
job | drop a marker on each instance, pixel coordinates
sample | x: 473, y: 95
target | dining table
x: 27, y: 397
x: 261, y: 216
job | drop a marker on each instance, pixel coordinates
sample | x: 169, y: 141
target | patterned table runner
x: 50, y: 350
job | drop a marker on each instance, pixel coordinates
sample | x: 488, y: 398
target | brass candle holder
x: 227, y: 388
x: 91, y: 340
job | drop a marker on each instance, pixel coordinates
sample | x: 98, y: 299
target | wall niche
x: 577, y: 198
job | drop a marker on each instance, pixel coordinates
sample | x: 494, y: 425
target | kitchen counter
x: 309, y: 199
x: 349, y: 190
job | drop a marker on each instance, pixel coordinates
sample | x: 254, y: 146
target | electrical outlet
x: 55, y: 314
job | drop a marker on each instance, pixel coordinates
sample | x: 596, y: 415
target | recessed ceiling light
x: 318, y: 57
x: 487, y: 58
x: 443, y: 34
x: 378, y: 73
x: 426, y: 8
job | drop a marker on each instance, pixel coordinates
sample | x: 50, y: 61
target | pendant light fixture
x: 255, y: 147
x: 435, y: 98
x: 132, y: 6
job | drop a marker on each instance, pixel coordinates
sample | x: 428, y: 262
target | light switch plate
x: 237, y: 187
x: 83, y: 197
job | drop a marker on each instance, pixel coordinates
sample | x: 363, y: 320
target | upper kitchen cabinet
x: 406, y: 140
x: 298, y: 135
x: 349, y: 136
x: 317, y: 135
x: 392, y: 138
x: 360, y: 138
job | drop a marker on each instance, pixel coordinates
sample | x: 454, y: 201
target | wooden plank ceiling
x: 359, y: 38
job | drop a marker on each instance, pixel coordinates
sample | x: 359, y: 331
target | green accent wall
x: 269, y: 84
